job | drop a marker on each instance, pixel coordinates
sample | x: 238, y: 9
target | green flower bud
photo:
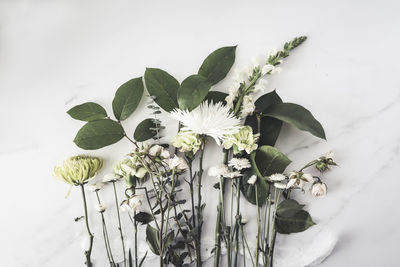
x: 78, y: 170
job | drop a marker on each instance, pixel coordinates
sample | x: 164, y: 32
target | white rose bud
x: 252, y: 180
x: 319, y: 189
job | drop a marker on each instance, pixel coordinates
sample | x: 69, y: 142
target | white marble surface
x: 56, y: 54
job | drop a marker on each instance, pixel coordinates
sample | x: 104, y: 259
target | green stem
x: 199, y: 212
x: 105, y: 235
x: 273, y: 234
x: 238, y: 219
x: 136, y: 238
x: 258, y: 231
x: 220, y: 215
x: 88, y: 252
x: 119, y: 222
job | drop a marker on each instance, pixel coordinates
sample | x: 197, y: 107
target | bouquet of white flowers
x: 157, y: 174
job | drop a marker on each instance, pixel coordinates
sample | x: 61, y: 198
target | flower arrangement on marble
x: 158, y: 173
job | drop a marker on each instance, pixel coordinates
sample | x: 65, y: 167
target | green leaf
x: 143, y: 217
x: 217, y: 65
x: 288, y: 208
x: 127, y: 98
x: 193, y: 91
x: 163, y: 87
x: 152, y: 239
x: 249, y: 191
x: 98, y: 134
x: 216, y: 96
x: 299, y: 222
x: 269, y: 160
x: 145, y: 130
x: 88, y: 111
x: 270, y: 128
x: 296, y: 115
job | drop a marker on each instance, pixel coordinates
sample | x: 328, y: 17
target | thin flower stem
x: 119, y: 222
x: 238, y: 221
x: 230, y: 239
x: 266, y: 236
x: 247, y: 246
x: 88, y: 252
x: 105, y: 235
x: 199, y: 204
x: 220, y: 215
x: 273, y: 233
x: 136, y: 238
x: 258, y: 230
x: 243, y: 245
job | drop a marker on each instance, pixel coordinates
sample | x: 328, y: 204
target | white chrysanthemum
x: 211, y: 119
x: 232, y: 175
x: 277, y: 177
x: 218, y: 170
x: 239, y: 163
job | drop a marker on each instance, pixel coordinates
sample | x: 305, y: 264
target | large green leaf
x: 299, y: 222
x: 145, y: 130
x: 217, y: 65
x: 269, y: 127
x: 163, y: 87
x: 193, y: 91
x: 288, y: 208
x: 297, y: 116
x: 88, y: 111
x: 216, y: 96
x: 99, y: 133
x: 127, y: 98
x: 152, y: 239
x: 269, y: 160
x: 249, y: 191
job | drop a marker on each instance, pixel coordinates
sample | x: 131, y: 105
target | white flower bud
x: 101, y: 208
x: 308, y: 177
x: 252, y: 180
x: 319, y: 189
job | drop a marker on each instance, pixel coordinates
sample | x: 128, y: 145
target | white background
x: 57, y: 54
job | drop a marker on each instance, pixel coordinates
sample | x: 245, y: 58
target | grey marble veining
x: 55, y: 55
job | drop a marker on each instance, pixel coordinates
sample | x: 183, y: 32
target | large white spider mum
x: 211, y: 119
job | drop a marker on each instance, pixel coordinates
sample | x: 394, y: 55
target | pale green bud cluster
x: 187, y: 142
x: 130, y: 167
x: 78, y: 170
x: 244, y: 140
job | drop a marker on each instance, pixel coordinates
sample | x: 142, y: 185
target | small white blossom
x: 270, y: 69
x: 131, y: 204
x: 159, y: 151
x: 101, y: 208
x: 111, y: 177
x: 330, y: 155
x: 260, y: 86
x: 318, y: 189
x: 95, y: 187
x: 218, y: 170
x: 291, y: 183
x: 277, y: 177
x: 248, y: 106
x: 232, y: 175
x: 177, y: 163
x: 239, y: 163
x: 252, y: 180
x: 280, y: 185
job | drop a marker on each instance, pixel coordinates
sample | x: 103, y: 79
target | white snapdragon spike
x: 177, y: 163
x: 211, y: 119
x: 111, y: 177
x: 280, y: 185
x: 252, y: 180
x: 239, y: 163
x: 101, y: 208
x: 271, y: 69
x: 277, y: 177
x: 218, y: 170
x: 248, y: 106
x: 232, y: 175
x: 131, y: 204
x: 95, y: 187
x: 308, y: 177
x: 319, y: 189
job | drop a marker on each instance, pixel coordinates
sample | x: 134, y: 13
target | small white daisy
x: 218, y: 170
x: 239, y: 163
